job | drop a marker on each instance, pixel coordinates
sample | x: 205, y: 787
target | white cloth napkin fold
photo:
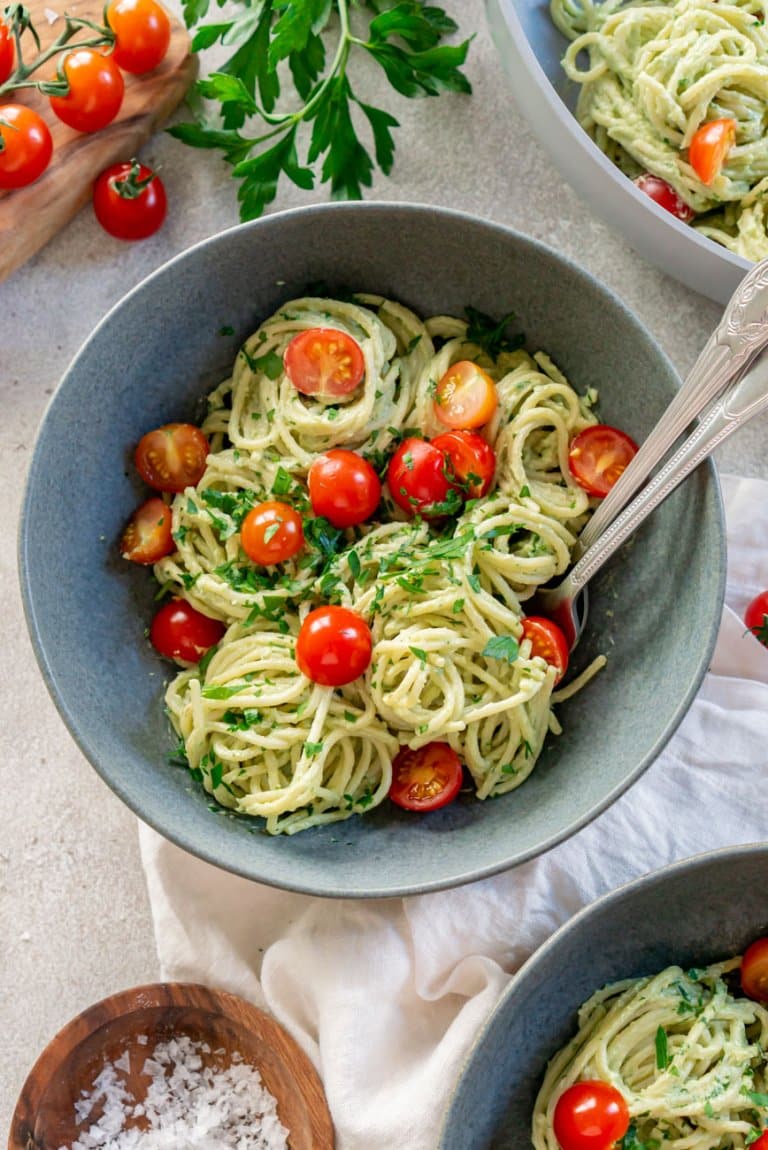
x: 387, y: 996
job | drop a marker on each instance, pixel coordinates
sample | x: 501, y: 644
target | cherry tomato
x: 96, y: 88
x: 324, y: 362
x: 425, y: 779
x: 760, y: 1143
x: 343, y: 487
x: 547, y: 641
x: 178, y: 631
x: 754, y: 970
x: 417, y: 477
x: 172, y: 457
x: 7, y: 52
x: 471, y: 459
x: 334, y: 646
x: 142, y: 34
x: 756, y: 617
x: 271, y: 533
x: 665, y: 196
x: 597, y: 457
x: 465, y: 396
x: 129, y: 201
x: 25, y: 146
x: 590, y: 1115
x: 147, y: 534
x: 709, y: 147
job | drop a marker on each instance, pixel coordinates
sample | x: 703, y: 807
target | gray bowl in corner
x: 692, y: 913
x: 152, y: 360
x: 531, y: 48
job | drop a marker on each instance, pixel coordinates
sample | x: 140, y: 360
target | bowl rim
x: 626, y: 890
x: 178, y: 834
x: 620, y: 193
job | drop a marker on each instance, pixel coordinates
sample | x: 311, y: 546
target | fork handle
x: 740, y: 335
x: 740, y: 403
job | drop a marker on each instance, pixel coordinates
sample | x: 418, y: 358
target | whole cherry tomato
x: 271, y: 533
x: 142, y: 34
x: 590, y: 1115
x: 597, y: 457
x: 96, y: 88
x: 417, y: 478
x: 334, y: 646
x: 129, y: 201
x: 179, y: 631
x: 709, y: 146
x: 147, y: 534
x: 760, y: 1143
x: 7, y: 52
x: 427, y: 778
x: 465, y: 396
x: 472, y: 461
x: 172, y: 457
x: 665, y: 196
x: 343, y: 487
x: 548, y: 642
x: 25, y: 146
x: 756, y: 617
x: 754, y: 970
x: 324, y: 362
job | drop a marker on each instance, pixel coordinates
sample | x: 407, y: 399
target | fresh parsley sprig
x: 405, y: 39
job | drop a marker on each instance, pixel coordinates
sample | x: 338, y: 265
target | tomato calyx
x: 131, y: 185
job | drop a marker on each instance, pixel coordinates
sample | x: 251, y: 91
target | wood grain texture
x: 30, y: 216
x: 44, y: 1118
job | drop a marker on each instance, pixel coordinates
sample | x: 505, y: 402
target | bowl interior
x: 654, y: 611
x: 690, y: 914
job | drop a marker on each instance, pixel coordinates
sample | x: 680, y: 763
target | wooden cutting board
x: 30, y: 216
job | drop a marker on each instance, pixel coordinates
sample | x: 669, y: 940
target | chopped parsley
x: 504, y: 647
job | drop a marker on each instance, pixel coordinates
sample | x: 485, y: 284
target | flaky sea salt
x: 188, y: 1105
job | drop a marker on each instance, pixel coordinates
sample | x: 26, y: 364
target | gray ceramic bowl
x: 531, y: 49
x: 691, y: 913
x: 155, y: 356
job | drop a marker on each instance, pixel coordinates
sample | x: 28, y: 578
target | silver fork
x: 566, y: 603
x: 741, y: 333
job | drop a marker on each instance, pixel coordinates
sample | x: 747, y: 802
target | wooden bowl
x: 44, y: 1118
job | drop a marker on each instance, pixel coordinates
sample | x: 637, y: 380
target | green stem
x: 19, y: 77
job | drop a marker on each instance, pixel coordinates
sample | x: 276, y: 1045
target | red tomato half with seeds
x: 756, y: 617
x: 548, y: 642
x: 27, y: 146
x: 709, y: 147
x: 590, y: 1115
x: 96, y: 89
x: 142, y: 34
x: 665, y: 196
x: 471, y: 459
x: 7, y: 52
x: 334, y: 646
x: 129, y: 201
x: 417, y: 478
x: 343, y: 487
x: 426, y: 779
x: 271, y: 533
x: 179, y: 631
x: 324, y: 362
x: 147, y: 534
x: 597, y: 457
x: 465, y: 396
x: 754, y: 970
x: 172, y: 457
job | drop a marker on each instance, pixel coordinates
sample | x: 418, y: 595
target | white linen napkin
x: 387, y: 996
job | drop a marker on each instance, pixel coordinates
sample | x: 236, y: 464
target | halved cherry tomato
x: 172, y: 457
x: 709, y: 146
x: 179, y: 631
x: 25, y: 146
x: 465, y: 396
x: 7, y: 52
x: 271, y: 533
x: 471, y: 459
x: 324, y: 362
x: 597, y: 457
x: 334, y: 646
x: 665, y: 196
x: 590, y: 1115
x: 547, y: 641
x: 756, y: 617
x: 147, y: 534
x: 142, y: 34
x: 129, y: 201
x: 343, y: 487
x: 754, y: 970
x: 427, y: 778
x: 96, y: 89
x: 417, y: 478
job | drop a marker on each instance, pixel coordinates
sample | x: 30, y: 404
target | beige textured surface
x: 74, y: 920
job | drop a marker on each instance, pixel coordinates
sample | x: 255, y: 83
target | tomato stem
x: 19, y: 21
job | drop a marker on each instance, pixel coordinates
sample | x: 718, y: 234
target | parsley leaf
x: 502, y: 647
x: 488, y: 333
